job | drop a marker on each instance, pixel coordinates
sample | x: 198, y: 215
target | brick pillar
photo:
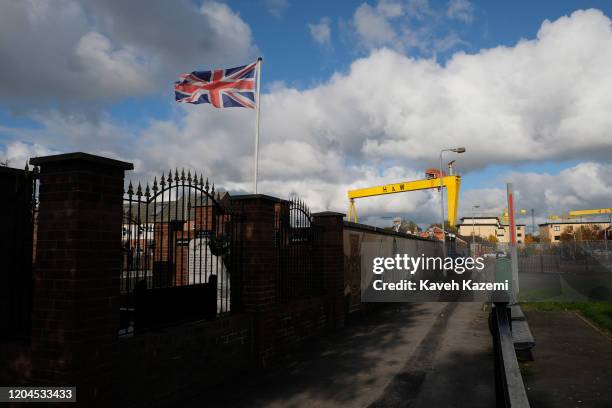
x: 78, y: 263
x: 260, y: 268
x: 331, y: 260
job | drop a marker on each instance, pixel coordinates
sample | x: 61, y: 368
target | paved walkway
x: 410, y: 355
x: 572, y: 364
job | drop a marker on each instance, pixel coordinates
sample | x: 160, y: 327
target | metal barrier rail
x: 509, y: 387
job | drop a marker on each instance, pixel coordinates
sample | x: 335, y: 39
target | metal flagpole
x: 258, y: 67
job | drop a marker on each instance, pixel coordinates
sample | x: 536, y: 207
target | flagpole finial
x: 259, y: 59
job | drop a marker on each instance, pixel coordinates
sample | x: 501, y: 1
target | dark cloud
x: 76, y: 54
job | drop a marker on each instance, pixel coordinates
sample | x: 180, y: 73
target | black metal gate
x: 181, y: 253
x: 296, y: 239
x: 17, y: 242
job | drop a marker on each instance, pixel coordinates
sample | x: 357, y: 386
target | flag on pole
x: 223, y: 88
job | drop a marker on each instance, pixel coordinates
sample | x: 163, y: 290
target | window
x: 557, y: 238
x: 557, y: 228
x: 519, y: 235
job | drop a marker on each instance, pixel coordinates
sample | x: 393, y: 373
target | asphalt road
x: 410, y: 355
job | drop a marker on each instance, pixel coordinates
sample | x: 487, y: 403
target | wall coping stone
x: 328, y: 214
x: 80, y: 156
x: 356, y: 226
x: 257, y: 196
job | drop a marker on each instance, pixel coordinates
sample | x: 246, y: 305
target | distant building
x: 551, y: 231
x: 174, y: 241
x: 484, y: 227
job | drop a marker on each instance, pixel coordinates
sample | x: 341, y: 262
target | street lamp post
x: 473, y: 230
x: 455, y: 150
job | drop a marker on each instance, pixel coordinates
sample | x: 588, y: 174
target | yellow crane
x: 595, y: 211
x: 451, y: 183
x: 562, y: 217
x: 505, y: 217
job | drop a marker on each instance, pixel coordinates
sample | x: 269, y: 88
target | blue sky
x: 114, y: 94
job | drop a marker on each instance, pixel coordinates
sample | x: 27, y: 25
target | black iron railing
x: 296, y: 237
x: 181, y: 252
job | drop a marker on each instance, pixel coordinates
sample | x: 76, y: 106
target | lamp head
x: 458, y: 150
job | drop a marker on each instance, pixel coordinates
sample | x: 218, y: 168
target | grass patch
x: 598, y: 312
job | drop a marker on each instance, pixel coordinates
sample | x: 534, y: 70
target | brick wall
x: 283, y: 326
x: 177, y: 363
x: 301, y: 320
x: 298, y: 321
x: 76, y: 310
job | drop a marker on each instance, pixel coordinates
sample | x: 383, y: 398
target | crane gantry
x: 580, y: 213
x: 451, y: 183
x: 594, y: 211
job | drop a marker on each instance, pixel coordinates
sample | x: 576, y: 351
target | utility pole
x: 513, y: 252
x: 473, y: 229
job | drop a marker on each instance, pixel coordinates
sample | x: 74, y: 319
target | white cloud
x: 113, y: 72
x: 386, y: 119
x: 372, y: 27
x: 460, y: 10
x: 585, y: 185
x: 17, y: 154
x: 407, y: 25
x: 321, y: 31
x: 70, y: 52
x: 419, y: 8
x: 276, y: 7
x: 390, y: 9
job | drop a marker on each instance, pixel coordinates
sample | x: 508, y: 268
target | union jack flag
x: 223, y: 88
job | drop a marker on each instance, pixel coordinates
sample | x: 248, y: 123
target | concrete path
x: 409, y: 355
x: 572, y: 364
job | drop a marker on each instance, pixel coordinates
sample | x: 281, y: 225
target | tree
x: 492, y: 239
x: 567, y: 234
x: 407, y: 226
x: 447, y: 227
x: 530, y: 239
x: 589, y: 233
x: 584, y: 233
